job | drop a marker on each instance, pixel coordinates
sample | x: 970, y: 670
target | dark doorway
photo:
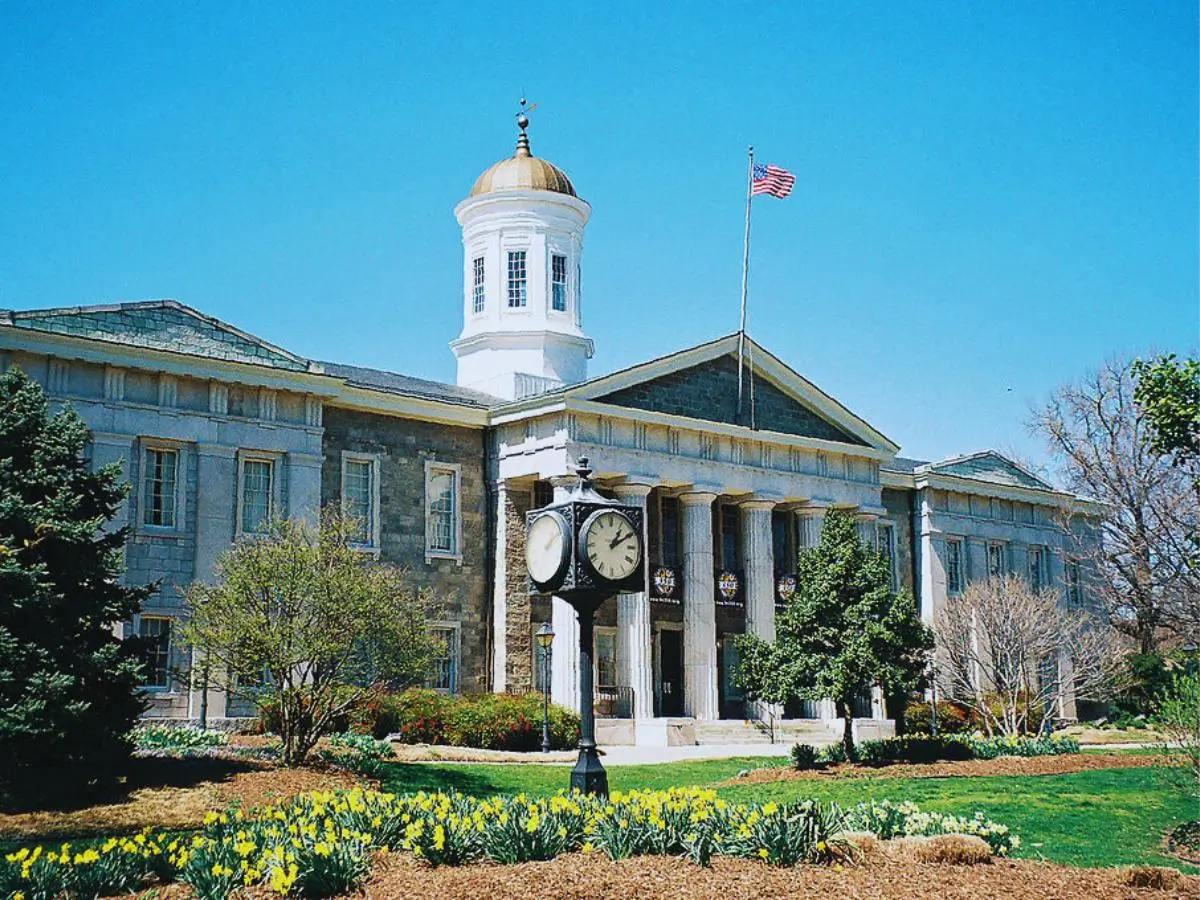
x: 668, y: 692
x: 732, y: 702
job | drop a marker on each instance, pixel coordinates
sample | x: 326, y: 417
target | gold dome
x: 523, y: 172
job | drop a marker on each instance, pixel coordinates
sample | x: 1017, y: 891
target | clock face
x: 613, y: 545
x: 545, y: 548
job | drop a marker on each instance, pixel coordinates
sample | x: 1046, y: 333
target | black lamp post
x: 545, y: 639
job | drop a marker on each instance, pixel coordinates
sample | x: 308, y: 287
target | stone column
x: 564, y: 654
x: 634, y: 662
x: 216, y: 499
x: 758, y: 551
x: 699, y: 607
x: 865, y: 523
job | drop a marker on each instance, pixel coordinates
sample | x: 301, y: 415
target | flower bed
x: 322, y: 843
x: 175, y: 739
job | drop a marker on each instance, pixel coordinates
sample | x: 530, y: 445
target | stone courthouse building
x: 218, y: 429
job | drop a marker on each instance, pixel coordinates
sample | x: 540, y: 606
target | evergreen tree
x: 68, y: 693
x: 844, y: 631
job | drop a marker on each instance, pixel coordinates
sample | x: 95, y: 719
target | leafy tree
x: 845, y: 630
x: 304, y: 624
x: 1141, y: 551
x: 1168, y: 392
x: 68, y: 687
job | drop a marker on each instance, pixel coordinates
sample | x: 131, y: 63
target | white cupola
x: 522, y: 229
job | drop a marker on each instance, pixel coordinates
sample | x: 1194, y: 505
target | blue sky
x: 990, y: 198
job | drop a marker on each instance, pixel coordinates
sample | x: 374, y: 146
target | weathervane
x: 523, y: 123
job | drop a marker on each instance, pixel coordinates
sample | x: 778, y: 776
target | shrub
x: 415, y: 716
x: 912, y: 749
x: 953, y: 718
x: 804, y: 756
x: 357, y: 752
x: 175, y: 740
x: 831, y: 754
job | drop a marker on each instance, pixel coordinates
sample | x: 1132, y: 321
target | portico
x: 727, y: 507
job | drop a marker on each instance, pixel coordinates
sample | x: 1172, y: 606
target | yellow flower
x: 763, y: 852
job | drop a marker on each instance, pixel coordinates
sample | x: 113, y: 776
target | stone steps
x: 749, y: 732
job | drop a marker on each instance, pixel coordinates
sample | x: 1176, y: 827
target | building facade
x: 735, y: 456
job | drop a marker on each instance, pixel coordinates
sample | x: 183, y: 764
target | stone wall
x: 518, y: 669
x: 403, y: 447
x: 709, y: 392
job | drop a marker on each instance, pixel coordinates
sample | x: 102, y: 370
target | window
x: 257, y: 483
x: 441, y: 510
x: 517, y: 280
x: 669, y: 507
x: 1074, y: 594
x: 558, y: 283
x: 954, y: 567
x: 159, y: 478
x: 444, y: 676
x: 478, y: 295
x: 886, y: 535
x: 730, y: 524
x: 360, y: 497
x: 783, y: 541
x: 155, y: 634
x: 606, y: 657
x: 995, y: 560
x: 1037, y: 569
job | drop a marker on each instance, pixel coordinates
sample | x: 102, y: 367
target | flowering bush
x: 321, y: 844
x: 887, y: 820
x: 488, y: 721
x: 952, y: 717
x: 177, y: 740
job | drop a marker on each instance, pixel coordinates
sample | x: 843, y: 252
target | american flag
x: 771, y: 180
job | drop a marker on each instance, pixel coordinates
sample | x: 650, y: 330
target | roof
x: 394, y: 383
x: 164, y: 325
x: 903, y: 464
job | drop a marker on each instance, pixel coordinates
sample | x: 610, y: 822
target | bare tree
x: 1104, y: 449
x: 1014, y: 655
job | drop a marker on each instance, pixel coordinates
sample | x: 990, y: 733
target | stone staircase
x: 788, y: 731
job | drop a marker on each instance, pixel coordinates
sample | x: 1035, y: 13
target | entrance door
x: 733, y: 703
x: 668, y: 692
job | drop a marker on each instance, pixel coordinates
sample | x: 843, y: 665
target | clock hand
x: 620, y: 537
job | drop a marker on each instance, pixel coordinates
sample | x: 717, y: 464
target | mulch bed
x: 594, y: 875
x: 175, y: 794
x: 979, y: 768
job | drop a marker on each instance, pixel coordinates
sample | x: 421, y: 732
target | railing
x: 666, y: 584
x: 532, y: 385
x: 729, y: 588
x: 614, y: 702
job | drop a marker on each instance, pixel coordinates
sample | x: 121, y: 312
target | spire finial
x: 523, y: 123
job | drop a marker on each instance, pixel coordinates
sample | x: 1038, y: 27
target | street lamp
x: 545, y: 638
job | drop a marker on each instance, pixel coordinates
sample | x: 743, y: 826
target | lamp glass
x: 545, y: 635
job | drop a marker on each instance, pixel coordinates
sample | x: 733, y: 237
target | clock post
x: 584, y: 550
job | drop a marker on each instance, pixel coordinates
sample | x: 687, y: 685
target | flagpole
x: 745, y: 278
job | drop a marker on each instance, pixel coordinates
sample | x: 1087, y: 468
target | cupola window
x: 517, y: 279
x: 558, y: 283
x: 478, y: 297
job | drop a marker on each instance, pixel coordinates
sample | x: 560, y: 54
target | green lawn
x: 1097, y: 818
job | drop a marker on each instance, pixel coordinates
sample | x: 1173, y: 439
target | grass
x: 1103, y: 817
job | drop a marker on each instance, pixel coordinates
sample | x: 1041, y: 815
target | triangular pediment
x: 702, y: 384
x: 164, y: 325
x: 990, y: 466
